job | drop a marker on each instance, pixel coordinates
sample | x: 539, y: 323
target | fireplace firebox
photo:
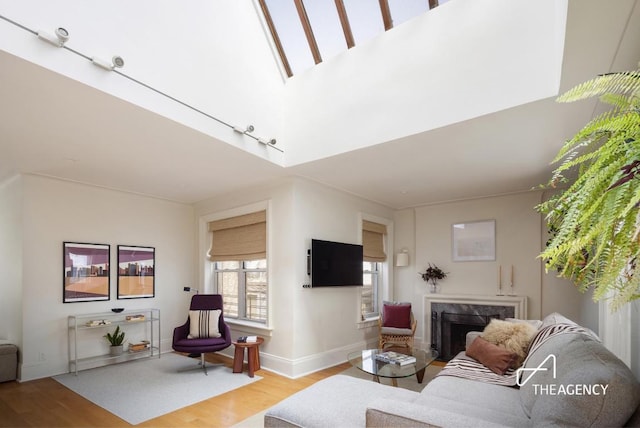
x: 450, y: 323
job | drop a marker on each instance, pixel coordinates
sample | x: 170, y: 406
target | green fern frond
x: 616, y: 83
x: 596, y: 219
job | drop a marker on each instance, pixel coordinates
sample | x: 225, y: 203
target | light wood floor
x: 46, y: 403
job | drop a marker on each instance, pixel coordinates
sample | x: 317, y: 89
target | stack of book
x: 137, y: 347
x: 247, y: 339
x: 138, y: 317
x: 94, y: 323
x: 395, y: 358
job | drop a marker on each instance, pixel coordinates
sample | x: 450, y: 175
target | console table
x: 85, y: 330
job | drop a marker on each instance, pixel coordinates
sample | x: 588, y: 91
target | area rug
x: 145, y: 389
x: 410, y: 383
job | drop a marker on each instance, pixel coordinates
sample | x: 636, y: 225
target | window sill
x: 249, y: 327
x: 368, y: 323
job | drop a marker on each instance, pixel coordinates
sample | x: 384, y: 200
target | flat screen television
x: 335, y: 264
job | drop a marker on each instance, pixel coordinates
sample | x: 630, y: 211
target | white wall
x: 519, y: 239
x: 278, y: 348
x: 11, y: 260
x: 308, y: 328
x: 327, y: 318
x: 214, y: 56
x: 56, y: 211
x: 409, y: 81
x: 634, y: 327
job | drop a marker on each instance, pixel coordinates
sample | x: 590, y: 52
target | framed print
x: 136, y: 272
x: 85, y: 272
x: 474, y: 241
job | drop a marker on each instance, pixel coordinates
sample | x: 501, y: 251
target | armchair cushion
x: 396, y: 331
x: 397, y: 315
x: 204, y: 324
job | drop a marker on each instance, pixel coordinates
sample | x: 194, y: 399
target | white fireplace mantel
x: 519, y: 304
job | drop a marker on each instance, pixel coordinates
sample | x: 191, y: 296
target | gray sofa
x: 343, y: 401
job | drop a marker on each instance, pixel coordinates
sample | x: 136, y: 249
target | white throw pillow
x: 204, y: 324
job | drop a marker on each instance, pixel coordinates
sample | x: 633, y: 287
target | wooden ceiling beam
x: 344, y: 21
x: 276, y: 38
x: 386, y: 14
x: 308, y: 31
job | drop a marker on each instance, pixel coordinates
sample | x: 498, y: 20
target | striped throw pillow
x: 204, y: 324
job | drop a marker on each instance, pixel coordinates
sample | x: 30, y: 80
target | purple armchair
x: 181, y: 341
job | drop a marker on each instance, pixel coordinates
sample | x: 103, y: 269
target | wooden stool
x: 253, y: 356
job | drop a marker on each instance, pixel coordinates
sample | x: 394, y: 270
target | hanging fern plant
x: 595, y: 220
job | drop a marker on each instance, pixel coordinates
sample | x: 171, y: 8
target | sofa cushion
x: 337, y: 401
x: 514, y: 337
x: 477, y: 393
x: 537, y: 324
x: 494, y: 357
x: 439, y: 412
x: 589, y: 386
x: 556, y: 318
x: 487, y: 403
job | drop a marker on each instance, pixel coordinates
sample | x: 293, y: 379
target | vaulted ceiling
x: 55, y: 126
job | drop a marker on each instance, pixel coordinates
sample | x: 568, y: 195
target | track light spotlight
x: 272, y: 141
x: 60, y: 38
x: 246, y: 130
x: 116, y: 62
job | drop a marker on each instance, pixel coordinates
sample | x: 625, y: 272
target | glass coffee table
x: 367, y: 362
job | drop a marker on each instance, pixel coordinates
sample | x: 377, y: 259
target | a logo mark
x: 522, y: 379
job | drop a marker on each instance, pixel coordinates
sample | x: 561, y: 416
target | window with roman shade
x: 373, y: 243
x: 239, y: 238
x: 239, y: 255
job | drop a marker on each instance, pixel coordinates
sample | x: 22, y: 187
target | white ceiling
x: 54, y: 126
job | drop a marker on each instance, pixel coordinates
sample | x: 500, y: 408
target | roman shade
x: 239, y: 238
x: 373, y: 241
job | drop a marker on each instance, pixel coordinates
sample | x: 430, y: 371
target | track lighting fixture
x: 60, y: 38
x: 270, y: 142
x: 116, y: 62
x: 247, y: 130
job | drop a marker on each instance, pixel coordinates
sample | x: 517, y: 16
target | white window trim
x: 205, y: 277
x: 386, y: 275
x: 251, y: 328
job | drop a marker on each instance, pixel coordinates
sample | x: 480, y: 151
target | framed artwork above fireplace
x: 474, y: 241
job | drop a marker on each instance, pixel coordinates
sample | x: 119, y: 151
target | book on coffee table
x: 395, y: 358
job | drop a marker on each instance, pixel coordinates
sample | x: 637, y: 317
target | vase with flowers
x: 431, y: 275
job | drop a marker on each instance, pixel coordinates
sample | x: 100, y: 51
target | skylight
x: 309, y: 32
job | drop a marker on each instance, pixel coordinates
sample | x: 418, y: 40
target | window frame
x: 375, y: 273
x: 241, y: 272
x: 385, y: 274
x: 206, y: 271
